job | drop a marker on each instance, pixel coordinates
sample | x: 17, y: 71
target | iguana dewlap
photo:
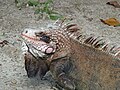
x: 75, y: 66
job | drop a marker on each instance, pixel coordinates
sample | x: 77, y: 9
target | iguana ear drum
x: 49, y: 50
x: 46, y: 49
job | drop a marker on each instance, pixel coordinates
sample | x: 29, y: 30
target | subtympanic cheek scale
x: 49, y: 50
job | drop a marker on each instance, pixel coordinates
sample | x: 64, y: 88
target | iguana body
x: 94, y: 68
x: 75, y: 66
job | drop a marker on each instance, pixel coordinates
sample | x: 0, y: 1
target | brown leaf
x: 114, y: 3
x: 3, y: 43
x: 111, y: 22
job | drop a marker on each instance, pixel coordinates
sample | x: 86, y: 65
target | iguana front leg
x: 60, y: 69
x: 35, y: 67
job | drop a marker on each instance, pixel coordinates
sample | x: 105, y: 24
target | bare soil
x: 87, y: 13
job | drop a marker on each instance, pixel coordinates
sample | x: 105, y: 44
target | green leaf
x: 16, y: 1
x: 53, y: 12
x: 37, y: 11
x: 46, y: 10
x: 49, y: 1
x: 33, y: 3
x: 55, y: 16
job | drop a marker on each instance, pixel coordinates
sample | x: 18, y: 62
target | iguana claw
x: 66, y: 82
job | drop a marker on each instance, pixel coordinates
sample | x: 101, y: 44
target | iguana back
x: 95, y: 69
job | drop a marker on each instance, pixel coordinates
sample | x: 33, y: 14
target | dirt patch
x: 87, y: 14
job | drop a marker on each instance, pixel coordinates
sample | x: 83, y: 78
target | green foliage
x: 55, y: 16
x: 20, y: 3
x: 33, y: 3
x: 41, y: 8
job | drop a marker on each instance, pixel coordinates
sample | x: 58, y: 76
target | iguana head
x: 45, y: 42
x: 38, y: 42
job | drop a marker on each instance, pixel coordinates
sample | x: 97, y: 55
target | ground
x: 87, y: 13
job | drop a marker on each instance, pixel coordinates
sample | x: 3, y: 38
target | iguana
x: 75, y: 65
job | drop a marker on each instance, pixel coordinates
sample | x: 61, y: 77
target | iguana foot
x: 66, y: 82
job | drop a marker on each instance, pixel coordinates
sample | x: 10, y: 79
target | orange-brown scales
x: 87, y: 64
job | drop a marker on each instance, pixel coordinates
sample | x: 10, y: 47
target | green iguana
x: 75, y: 65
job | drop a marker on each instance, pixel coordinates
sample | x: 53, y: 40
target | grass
x: 44, y: 9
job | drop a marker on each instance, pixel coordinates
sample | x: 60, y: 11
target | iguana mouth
x: 31, y: 38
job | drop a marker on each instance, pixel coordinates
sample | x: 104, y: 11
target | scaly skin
x: 91, y: 69
x: 74, y: 65
x: 95, y: 69
x: 34, y: 67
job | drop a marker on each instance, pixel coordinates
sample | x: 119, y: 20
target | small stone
x: 13, y: 81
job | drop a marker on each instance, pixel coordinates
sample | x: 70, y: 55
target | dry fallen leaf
x: 114, y: 3
x: 3, y: 43
x: 111, y: 21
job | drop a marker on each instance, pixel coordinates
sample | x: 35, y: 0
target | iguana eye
x: 45, y: 38
x: 39, y: 34
x: 26, y: 31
